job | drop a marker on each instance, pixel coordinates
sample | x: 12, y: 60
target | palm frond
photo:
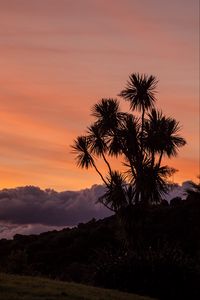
x: 161, y: 134
x: 96, y: 140
x: 115, y: 196
x: 107, y: 113
x: 81, y: 148
x: 140, y: 91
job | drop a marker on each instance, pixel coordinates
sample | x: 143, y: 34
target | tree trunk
x: 142, y: 130
x: 160, y: 158
x: 152, y: 159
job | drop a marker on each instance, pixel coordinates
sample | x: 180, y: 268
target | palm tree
x: 140, y: 142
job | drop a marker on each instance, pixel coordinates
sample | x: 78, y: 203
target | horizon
x: 31, y: 210
x: 59, y: 59
x: 181, y: 184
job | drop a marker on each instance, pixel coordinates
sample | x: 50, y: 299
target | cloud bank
x: 31, y: 210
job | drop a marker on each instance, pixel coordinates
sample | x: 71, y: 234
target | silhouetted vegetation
x: 140, y: 142
x: 194, y: 191
x: 164, y: 262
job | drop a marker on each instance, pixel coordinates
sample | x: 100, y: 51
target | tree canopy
x: 141, y: 142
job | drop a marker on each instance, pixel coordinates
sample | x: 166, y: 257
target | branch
x: 99, y: 173
x: 110, y: 171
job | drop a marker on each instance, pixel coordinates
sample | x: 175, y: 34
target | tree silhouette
x: 141, y: 142
x: 194, y: 191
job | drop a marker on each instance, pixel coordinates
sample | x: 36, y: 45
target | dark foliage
x: 163, y: 261
x: 139, y: 142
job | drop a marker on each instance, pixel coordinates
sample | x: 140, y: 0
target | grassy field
x: 32, y: 288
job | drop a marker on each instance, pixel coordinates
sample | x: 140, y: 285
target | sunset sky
x: 59, y: 57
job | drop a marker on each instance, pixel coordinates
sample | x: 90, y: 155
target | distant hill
x: 30, y: 210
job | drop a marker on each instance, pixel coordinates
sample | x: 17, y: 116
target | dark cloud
x: 29, y: 209
x: 31, y: 205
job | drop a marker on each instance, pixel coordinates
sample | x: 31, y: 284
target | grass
x: 14, y: 287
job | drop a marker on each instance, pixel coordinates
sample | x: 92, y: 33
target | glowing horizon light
x: 58, y: 58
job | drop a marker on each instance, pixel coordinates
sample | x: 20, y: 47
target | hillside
x: 13, y: 287
x: 163, y: 262
x: 31, y: 210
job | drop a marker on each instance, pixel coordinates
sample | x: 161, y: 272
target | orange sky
x: 57, y: 58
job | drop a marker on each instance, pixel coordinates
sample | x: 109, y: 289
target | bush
x: 166, y: 274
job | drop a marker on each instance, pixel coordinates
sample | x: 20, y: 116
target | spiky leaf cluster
x: 139, y: 142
